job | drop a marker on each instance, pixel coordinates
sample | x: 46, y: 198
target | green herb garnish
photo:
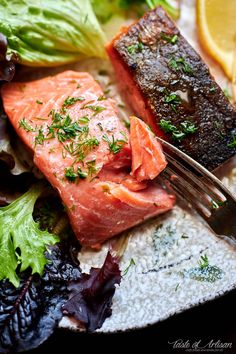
x: 180, y: 64
x: 102, y: 98
x: 135, y: 48
x: 188, y: 127
x: 212, y: 89
x: 91, y: 166
x: 95, y: 109
x: 39, y: 102
x: 84, y: 120
x: 25, y: 125
x: 63, y: 127
x: 39, y: 139
x: 232, y: 144
x: 205, y: 271
x: 180, y: 133
x: 173, y: 100
x: 170, y: 39
x: 81, y: 148
x: 22, y: 243
x: 131, y: 263
x: 72, y: 175
x: 115, y: 145
x: 203, y: 262
x: 70, y: 101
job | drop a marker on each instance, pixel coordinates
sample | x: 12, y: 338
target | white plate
x: 155, y: 288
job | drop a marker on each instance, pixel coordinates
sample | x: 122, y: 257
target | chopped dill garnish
x: 135, y: 48
x: 102, y: 98
x: 81, y: 174
x: 173, y: 100
x: 177, y: 287
x: 39, y: 139
x: 232, y: 144
x: 115, y: 146
x: 180, y: 133
x: 64, y: 128
x: 212, y: 89
x: 131, y: 263
x: 203, y: 262
x: 188, y: 127
x: 69, y: 101
x: 95, y: 109
x: 170, y: 39
x: 84, y: 120
x: 72, y: 175
x: 91, y: 166
x: 81, y: 148
x: 25, y: 125
x: 180, y: 64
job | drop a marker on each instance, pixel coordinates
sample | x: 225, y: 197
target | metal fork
x: 205, y: 192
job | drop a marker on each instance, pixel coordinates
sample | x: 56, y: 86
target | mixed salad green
x: 22, y: 243
x: 51, y: 33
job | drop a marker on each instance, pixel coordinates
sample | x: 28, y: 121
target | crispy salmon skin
x: 100, y: 170
x: 167, y: 84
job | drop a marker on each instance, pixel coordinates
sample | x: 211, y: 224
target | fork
x: 200, y: 188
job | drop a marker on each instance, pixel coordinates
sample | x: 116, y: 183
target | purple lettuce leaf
x: 91, y: 296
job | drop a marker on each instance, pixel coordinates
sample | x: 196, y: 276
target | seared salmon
x: 103, y: 173
x: 167, y: 84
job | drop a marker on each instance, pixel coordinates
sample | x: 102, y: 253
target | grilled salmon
x: 103, y: 173
x: 167, y: 84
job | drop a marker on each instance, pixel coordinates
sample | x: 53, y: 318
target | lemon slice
x: 217, y: 31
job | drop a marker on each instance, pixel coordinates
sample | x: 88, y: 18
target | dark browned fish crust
x: 158, y: 69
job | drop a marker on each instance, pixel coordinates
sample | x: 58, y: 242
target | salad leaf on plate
x: 91, y: 296
x: 22, y: 243
x: 30, y: 313
x: 51, y: 33
x: 107, y: 9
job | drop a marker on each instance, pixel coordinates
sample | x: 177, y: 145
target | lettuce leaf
x: 51, y: 33
x: 22, y: 243
x: 107, y: 9
x: 172, y: 11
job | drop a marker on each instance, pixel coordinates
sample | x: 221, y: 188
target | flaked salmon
x: 167, y: 84
x: 102, y: 172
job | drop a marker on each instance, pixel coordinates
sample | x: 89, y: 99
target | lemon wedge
x: 216, y: 21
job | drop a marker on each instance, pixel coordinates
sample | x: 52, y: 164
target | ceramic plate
x: 160, y: 266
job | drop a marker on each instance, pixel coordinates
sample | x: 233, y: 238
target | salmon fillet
x: 167, y: 84
x: 101, y: 171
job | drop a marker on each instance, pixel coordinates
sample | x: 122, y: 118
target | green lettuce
x: 22, y: 243
x: 51, y: 32
x: 106, y: 9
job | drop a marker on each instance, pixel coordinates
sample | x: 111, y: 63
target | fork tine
x: 195, y: 167
x: 184, y: 191
x: 198, y: 184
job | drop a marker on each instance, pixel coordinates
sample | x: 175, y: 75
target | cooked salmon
x: 103, y: 173
x: 167, y: 84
